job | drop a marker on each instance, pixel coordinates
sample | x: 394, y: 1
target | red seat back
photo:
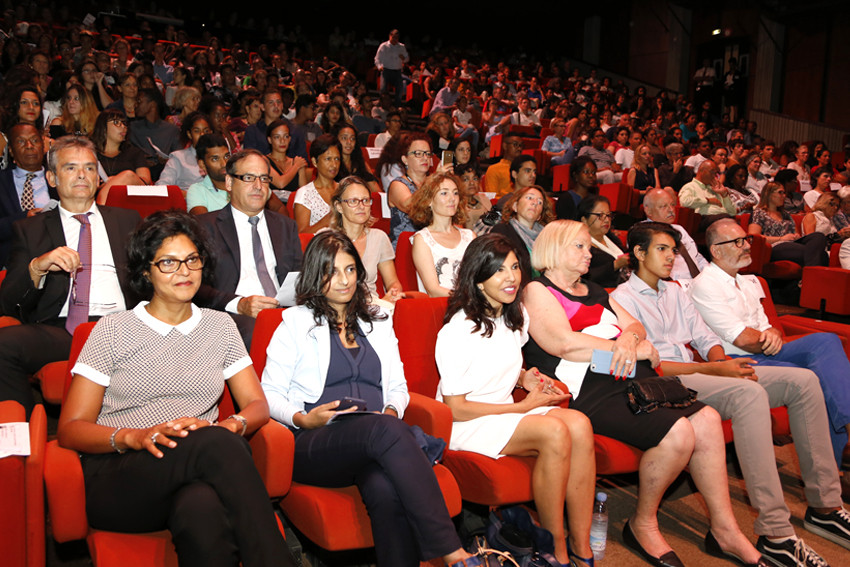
x: 81, y: 335
x: 146, y: 204
x: 404, y: 267
x: 417, y: 322
x: 267, y: 323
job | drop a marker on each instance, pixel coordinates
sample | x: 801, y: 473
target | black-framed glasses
x: 420, y: 153
x: 603, y: 216
x: 352, y: 203
x: 739, y: 242
x: 251, y: 177
x: 171, y: 265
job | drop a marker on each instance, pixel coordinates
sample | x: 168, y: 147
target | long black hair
x: 317, y: 269
x: 483, y: 257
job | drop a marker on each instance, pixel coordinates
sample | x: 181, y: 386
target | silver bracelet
x: 241, y: 419
x: 112, y: 441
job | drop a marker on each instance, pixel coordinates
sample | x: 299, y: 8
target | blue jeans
x: 823, y: 354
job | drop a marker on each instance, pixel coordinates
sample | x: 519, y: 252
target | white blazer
x: 299, y: 355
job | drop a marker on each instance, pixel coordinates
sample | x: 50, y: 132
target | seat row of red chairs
x: 334, y: 519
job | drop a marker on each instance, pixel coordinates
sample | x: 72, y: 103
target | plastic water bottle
x: 599, y: 527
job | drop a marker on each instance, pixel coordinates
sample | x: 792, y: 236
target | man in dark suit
x: 23, y: 189
x: 67, y: 264
x: 255, y: 248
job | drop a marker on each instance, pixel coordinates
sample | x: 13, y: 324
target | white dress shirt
x: 729, y: 305
x: 105, y: 296
x: 249, y: 281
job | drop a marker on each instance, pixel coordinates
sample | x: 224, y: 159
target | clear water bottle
x: 599, y: 527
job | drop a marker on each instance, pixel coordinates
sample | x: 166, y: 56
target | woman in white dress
x: 352, y: 204
x: 479, y: 357
x: 439, y: 247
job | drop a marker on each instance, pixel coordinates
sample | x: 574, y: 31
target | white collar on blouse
x: 164, y: 328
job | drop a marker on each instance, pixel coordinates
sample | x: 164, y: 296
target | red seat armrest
x: 273, y: 446
x: 66, y: 493
x: 435, y: 418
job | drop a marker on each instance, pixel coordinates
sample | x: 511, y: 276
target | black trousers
x: 809, y: 250
x: 379, y: 455
x: 206, y: 491
x: 24, y: 349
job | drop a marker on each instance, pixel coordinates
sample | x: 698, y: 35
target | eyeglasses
x: 97, y: 271
x: 118, y: 122
x: 603, y: 216
x: 251, y: 177
x: 171, y: 265
x: 739, y: 242
x: 352, y: 203
x: 420, y: 153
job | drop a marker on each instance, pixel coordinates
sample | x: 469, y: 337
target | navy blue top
x: 355, y: 373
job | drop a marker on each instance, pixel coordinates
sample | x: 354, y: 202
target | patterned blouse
x: 772, y: 227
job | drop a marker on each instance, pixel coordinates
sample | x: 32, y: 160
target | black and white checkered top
x: 154, y: 372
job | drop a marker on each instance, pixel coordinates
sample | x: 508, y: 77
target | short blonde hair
x: 550, y: 243
x: 824, y: 201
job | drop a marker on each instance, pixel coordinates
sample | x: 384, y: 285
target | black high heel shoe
x: 669, y: 559
x: 712, y: 547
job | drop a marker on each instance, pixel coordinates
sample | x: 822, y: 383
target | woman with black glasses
x: 142, y: 411
x: 609, y: 261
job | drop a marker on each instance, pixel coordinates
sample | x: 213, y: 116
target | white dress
x: 308, y: 196
x: 485, y: 370
x: 446, y: 260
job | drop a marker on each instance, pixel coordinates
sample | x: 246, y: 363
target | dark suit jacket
x: 33, y: 236
x: 222, y: 231
x: 10, y: 211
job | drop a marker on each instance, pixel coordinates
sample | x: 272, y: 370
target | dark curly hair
x: 317, y: 270
x: 150, y: 235
x: 189, y: 123
x: 481, y: 260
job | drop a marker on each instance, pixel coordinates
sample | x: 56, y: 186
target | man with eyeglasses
x: 739, y: 390
x: 68, y: 265
x: 255, y: 248
x: 498, y: 177
x: 730, y: 303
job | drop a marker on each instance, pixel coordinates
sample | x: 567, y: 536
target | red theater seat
x: 272, y: 448
x: 336, y: 518
x: 22, y: 493
x: 146, y: 204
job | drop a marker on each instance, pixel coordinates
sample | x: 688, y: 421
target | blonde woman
x: 79, y: 114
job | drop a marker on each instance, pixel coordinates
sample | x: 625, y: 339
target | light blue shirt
x: 39, y: 186
x: 669, y: 316
x: 205, y: 194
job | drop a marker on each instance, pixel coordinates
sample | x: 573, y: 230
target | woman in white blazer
x: 334, y: 377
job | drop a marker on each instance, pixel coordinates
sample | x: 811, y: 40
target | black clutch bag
x: 645, y: 395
